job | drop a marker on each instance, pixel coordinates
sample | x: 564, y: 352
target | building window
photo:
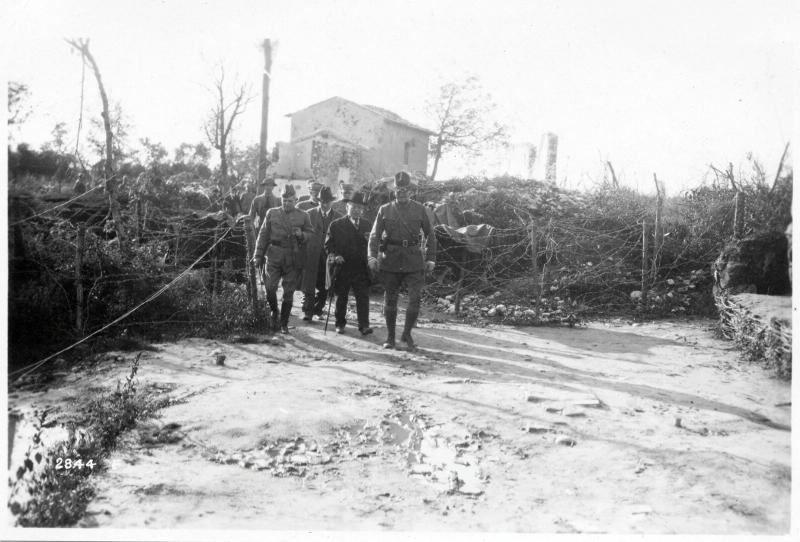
x: 407, y: 151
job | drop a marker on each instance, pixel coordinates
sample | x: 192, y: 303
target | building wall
x: 386, y: 141
x: 348, y: 120
x: 392, y: 152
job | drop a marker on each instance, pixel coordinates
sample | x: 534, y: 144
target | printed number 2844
x: 69, y: 463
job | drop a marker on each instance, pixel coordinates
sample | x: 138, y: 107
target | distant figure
x: 307, y: 203
x: 346, y: 191
x: 263, y: 202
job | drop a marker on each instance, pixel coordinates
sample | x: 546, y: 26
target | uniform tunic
x: 402, y: 225
x: 283, y: 251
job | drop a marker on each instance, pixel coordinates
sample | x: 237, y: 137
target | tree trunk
x: 82, y: 45
x: 436, y: 158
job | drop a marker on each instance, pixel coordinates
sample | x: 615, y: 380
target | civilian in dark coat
x: 313, y: 285
x: 346, y: 245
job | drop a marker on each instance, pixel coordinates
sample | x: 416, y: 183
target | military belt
x: 403, y: 243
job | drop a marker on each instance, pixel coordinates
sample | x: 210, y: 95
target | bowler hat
x: 358, y: 198
x: 402, y: 180
x: 325, y: 195
x: 268, y: 180
x: 288, y: 192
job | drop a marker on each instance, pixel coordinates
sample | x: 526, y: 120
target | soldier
x: 263, y: 202
x: 312, y: 200
x: 284, y: 230
x: 346, y: 245
x: 394, y: 251
x: 313, y: 287
x: 345, y: 193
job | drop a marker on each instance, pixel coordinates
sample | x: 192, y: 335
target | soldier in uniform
x: 395, y: 252
x: 263, y: 202
x: 313, y: 283
x: 346, y: 191
x: 284, y: 230
x: 346, y: 245
x: 306, y: 203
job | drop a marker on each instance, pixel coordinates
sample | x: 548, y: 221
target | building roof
x: 385, y: 113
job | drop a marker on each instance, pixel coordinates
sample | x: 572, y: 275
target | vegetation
x: 53, y: 486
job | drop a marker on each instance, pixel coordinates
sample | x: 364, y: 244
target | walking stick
x: 335, y: 273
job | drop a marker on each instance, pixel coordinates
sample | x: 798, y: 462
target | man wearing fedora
x: 306, y: 203
x: 313, y: 282
x: 282, y: 235
x: 395, y: 252
x: 263, y: 202
x: 346, y: 245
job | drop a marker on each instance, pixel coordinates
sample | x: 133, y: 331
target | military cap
x: 402, y: 180
x: 288, y: 192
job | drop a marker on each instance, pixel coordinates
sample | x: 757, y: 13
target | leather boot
x: 411, y: 319
x: 286, y: 308
x: 391, y: 319
x: 274, y: 324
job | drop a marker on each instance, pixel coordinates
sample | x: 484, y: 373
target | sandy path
x: 493, y: 429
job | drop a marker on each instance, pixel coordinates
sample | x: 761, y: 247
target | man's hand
x: 258, y: 261
x: 373, y: 264
x: 338, y: 260
x: 298, y: 233
x: 429, y: 266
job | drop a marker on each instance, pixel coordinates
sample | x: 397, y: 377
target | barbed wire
x: 36, y: 365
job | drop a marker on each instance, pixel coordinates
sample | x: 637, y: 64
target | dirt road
x: 612, y: 428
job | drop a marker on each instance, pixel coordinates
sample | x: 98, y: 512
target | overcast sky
x: 653, y: 86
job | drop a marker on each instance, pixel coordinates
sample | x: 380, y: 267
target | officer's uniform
x: 397, y: 232
x: 284, y: 255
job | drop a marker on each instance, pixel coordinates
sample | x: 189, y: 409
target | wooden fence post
x: 738, y: 214
x: 462, y: 264
x: 548, y: 251
x: 250, y: 240
x: 215, y: 264
x: 658, y: 232
x: 177, y: 228
x: 644, y: 260
x: 80, y: 244
x: 535, y: 263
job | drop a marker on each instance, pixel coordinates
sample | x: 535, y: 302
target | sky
x: 651, y: 86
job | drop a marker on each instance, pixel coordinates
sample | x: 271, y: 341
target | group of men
x: 320, y: 244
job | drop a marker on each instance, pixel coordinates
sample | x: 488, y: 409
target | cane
x: 336, y: 268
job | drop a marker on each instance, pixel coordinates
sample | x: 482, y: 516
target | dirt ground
x: 603, y: 428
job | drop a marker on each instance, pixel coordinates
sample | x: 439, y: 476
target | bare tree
x: 82, y: 46
x: 462, y: 111
x: 223, y: 114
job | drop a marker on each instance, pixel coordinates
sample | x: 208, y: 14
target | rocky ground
x: 601, y: 428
